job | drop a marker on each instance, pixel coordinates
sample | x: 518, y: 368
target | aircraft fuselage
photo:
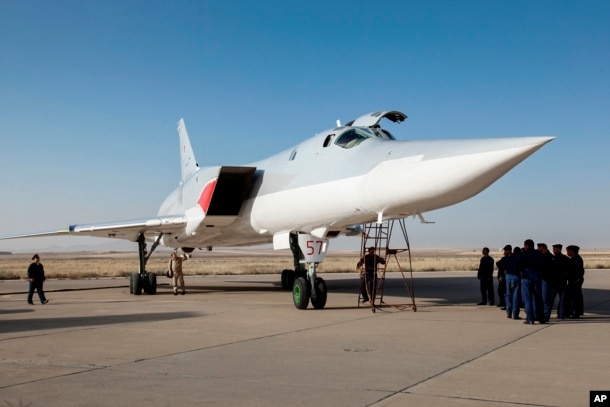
x: 323, y: 187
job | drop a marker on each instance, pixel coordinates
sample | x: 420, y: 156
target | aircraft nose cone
x: 515, y: 142
x: 457, y: 148
x: 473, y: 165
x: 435, y: 174
x: 498, y: 158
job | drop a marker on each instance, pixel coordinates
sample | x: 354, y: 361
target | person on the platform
x: 368, y: 274
x: 36, y: 278
x: 485, y: 275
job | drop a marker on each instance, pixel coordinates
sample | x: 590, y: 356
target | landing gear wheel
x: 152, y: 283
x: 300, y: 293
x: 287, y: 279
x: 131, y: 278
x: 138, y: 284
x: 320, y: 300
x: 145, y: 285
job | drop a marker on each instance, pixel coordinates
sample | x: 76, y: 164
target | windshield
x: 353, y: 137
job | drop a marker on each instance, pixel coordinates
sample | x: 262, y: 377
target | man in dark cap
x: 36, y: 278
x: 368, y: 275
x: 530, y: 263
x: 485, y: 275
x: 548, y: 287
x: 502, y: 264
x: 559, y: 278
x: 576, y: 277
x: 513, y: 285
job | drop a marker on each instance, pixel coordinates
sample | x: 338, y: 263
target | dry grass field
x: 225, y: 262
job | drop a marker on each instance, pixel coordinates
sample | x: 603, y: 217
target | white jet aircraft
x: 326, y: 186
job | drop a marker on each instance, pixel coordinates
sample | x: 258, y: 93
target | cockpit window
x: 353, y: 137
x: 328, y: 140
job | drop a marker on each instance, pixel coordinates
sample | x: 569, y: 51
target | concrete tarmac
x: 239, y: 341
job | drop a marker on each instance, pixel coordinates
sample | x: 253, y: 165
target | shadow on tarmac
x: 464, y: 291
x: 15, y: 311
x: 35, y: 324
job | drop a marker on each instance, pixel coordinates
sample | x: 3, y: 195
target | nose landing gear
x: 308, y: 251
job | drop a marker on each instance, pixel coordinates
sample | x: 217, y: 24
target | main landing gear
x: 144, y: 281
x: 303, y: 290
x: 306, y: 249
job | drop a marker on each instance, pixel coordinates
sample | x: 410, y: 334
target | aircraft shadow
x: 16, y: 311
x: 455, y: 290
x: 449, y: 291
x: 37, y: 324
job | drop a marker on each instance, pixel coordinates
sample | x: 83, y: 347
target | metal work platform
x: 378, y: 236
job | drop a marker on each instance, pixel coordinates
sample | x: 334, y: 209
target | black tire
x: 138, y: 284
x: 145, y: 284
x: 131, y: 278
x: 300, y: 293
x: 152, y: 283
x: 321, y: 294
x: 287, y: 279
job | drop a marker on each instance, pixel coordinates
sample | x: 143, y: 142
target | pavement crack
x: 406, y: 390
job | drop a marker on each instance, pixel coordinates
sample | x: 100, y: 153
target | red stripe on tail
x: 206, y: 195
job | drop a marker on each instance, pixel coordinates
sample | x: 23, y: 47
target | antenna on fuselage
x: 338, y: 123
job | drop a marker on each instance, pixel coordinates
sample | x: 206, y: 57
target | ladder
x: 378, y: 236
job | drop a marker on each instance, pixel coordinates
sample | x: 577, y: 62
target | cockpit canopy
x: 373, y: 119
x: 354, y: 136
x: 366, y: 127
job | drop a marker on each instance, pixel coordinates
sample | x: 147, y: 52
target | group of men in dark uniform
x: 533, y: 278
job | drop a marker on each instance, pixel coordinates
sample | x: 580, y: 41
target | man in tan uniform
x: 175, y: 267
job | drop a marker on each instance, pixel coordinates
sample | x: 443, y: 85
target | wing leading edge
x: 127, y: 230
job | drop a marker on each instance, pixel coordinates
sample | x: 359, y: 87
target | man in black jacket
x: 548, y: 287
x: 502, y: 264
x: 368, y: 275
x: 576, y: 276
x: 486, y: 278
x: 530, y: 265
x: 513, y: 284
x: 559, y: 278
x: 36, y: 278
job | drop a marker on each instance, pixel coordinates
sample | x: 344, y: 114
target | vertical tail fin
x: 187, y: 157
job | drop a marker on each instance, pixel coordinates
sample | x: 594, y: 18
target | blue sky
x: 90, y: 93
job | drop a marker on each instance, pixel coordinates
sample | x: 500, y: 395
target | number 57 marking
x: 312, y: 245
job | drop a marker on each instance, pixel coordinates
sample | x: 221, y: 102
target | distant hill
x: 5, y: 253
